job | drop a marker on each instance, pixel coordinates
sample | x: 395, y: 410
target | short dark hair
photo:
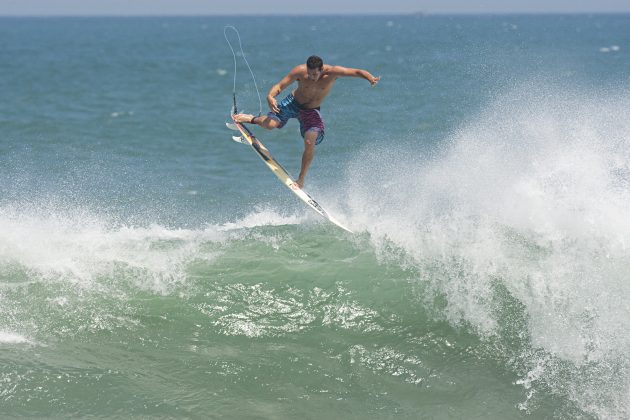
x: 314, y: 62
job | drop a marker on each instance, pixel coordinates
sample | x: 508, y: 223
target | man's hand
x: 374, y: 80
x: 273, y: 105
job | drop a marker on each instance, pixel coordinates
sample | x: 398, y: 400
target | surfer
x: 314, y: 79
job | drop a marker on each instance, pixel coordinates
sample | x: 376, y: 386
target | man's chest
x: 322, y: 85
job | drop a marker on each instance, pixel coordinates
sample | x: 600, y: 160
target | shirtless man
x: 315, y: 79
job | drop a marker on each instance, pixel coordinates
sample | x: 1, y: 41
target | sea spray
x: 524, y: 206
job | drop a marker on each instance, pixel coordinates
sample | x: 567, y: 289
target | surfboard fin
x: 239, y: 139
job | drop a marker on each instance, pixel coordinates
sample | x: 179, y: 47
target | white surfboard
x: 248, y: 137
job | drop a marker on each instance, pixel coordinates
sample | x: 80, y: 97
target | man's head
x: 314, y: 67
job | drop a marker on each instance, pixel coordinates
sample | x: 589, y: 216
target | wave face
x: 504, y: 249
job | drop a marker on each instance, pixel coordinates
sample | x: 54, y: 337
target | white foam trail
x: 262, y: 217
x: 533, y: 194
x: 12, y: 338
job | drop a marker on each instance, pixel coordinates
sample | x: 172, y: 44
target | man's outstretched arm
x: 339, y: 71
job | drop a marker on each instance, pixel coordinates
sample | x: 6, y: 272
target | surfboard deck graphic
x: 248, y: 137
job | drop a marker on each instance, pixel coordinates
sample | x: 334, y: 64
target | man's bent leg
x: 262, y: 120
x: 310, y: 138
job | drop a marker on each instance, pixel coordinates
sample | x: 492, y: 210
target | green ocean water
x: 152, y: 268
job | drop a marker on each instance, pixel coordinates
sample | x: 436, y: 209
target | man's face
x: 314, y: 74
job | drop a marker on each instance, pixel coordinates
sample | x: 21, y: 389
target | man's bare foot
x: 243, y: 118
x: 300, y: 183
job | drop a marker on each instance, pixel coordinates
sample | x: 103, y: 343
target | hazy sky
x: 210, y: 7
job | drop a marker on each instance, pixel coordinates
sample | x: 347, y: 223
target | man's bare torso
x: 310, y: 94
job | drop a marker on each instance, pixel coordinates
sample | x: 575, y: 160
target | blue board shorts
x: 310, y: 119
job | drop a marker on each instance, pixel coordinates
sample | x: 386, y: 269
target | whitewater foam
x: 12, y: 338
x: 79, y: 246
x: 532, y: 196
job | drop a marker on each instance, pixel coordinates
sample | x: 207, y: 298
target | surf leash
x: 240, y: 45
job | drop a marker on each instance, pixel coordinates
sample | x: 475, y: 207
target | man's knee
x: 310, y: 139
x: 271, y: 123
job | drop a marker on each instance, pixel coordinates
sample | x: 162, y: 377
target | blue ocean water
x: 152, y: 268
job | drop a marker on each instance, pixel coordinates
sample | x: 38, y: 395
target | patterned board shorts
x: 310, y: 119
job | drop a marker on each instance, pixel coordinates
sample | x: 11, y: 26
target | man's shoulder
x: 300, y: 68
x: 335, y: 70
